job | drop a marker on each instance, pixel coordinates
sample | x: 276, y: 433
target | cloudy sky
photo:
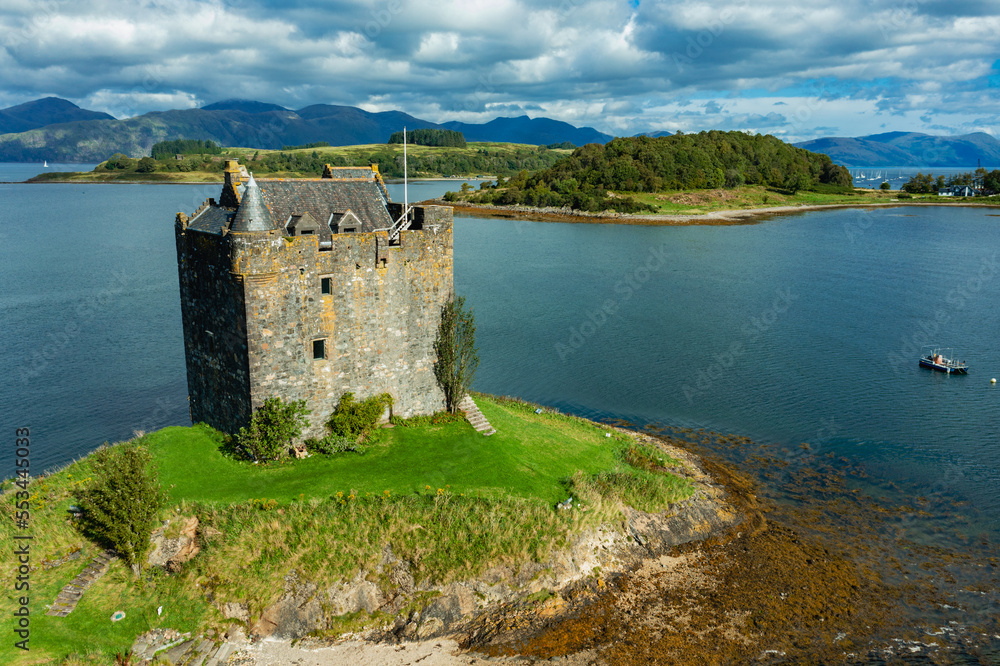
x: 797, y: 70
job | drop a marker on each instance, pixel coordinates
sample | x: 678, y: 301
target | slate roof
x: 269, y: 204
x: 253, y: 214
x: 212, y: 219
x: 326, y: 197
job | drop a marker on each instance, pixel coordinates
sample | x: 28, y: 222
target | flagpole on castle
x: 406, y: 194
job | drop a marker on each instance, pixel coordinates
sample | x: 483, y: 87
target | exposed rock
x: 456, y: 603
x: 358, y: 595
x: 236, y: 611
x: 298, y: 612
x: 171, y: 553
x: 535, y: 590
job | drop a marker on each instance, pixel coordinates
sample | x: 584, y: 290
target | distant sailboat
x: 45, y: 164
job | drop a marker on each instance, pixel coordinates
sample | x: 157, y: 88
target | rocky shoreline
x: 440, y: 619
x: 726, y: 576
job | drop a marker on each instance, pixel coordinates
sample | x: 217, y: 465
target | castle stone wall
x: 215, y: 344
x: 378, y: 323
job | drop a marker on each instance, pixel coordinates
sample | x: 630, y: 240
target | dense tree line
x: 683, y: 161
x: 390, y: 162
x: 492, y: 161
x: 430, y: 137
x: 314, y: 144
x: 980, y: 179
x: 165, y: 149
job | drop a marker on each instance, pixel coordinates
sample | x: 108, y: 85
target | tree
x: 119, y: 161
x: 796, y: 182
x: 146, y: 165
x: 457, y: 357
x: 121, y: 503
x: 273, y: 428
x: 885, y: 185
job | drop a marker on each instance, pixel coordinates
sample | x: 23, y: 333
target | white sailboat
x: 45, y: 163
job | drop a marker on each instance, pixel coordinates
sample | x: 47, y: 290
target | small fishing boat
x: 940, y: 360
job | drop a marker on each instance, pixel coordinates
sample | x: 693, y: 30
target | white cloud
x: 603, y: 63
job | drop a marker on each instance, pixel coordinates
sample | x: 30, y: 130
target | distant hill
x: 254, y: 124
x: 909, y: 149
x: 42, y: 112
x: 538, y: 131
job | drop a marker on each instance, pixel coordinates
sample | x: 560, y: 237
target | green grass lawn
x: 527, y: 457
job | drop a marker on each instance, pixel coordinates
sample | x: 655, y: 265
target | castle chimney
x: 230, y: 197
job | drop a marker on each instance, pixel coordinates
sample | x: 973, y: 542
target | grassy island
x: 443, y: 497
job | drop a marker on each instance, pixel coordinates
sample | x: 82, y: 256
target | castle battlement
x: 309, y: 289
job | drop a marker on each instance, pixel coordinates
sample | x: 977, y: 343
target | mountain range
x: 42, y: 112
x: 58, y: 130
x: 90, y: 136
x: 909, y: 149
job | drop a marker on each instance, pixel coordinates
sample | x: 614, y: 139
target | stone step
x: 220, y: 656
x: 200, y: 653
x: 175, y: 654
x: 71, y: 594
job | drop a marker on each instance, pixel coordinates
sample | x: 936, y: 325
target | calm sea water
x: 804, y: 328
x: 17, y: 172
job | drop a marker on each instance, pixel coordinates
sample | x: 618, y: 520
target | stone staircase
x: 475, y: 417
x: 168, y: 645
x: 70, y: 595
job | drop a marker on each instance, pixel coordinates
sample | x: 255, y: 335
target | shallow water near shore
x: 802, y: 329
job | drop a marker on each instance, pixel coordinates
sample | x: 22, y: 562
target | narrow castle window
x: 326, y: 285
x: 319, y: 349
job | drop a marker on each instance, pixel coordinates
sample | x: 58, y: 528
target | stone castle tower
x: 307, y: 289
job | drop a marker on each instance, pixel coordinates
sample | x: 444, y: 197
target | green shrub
x: 146, y: 165
x: 353, y: 419
x: 120, y: 505
x: 331, y: 444
x: 272, y: 429
x: 438, y: 418
x: 121, y: 162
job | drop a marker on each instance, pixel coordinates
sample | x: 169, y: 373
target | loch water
x: 802, y: 328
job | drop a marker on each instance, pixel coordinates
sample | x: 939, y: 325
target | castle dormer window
x: 302, y: 224
x: 345, y: 222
